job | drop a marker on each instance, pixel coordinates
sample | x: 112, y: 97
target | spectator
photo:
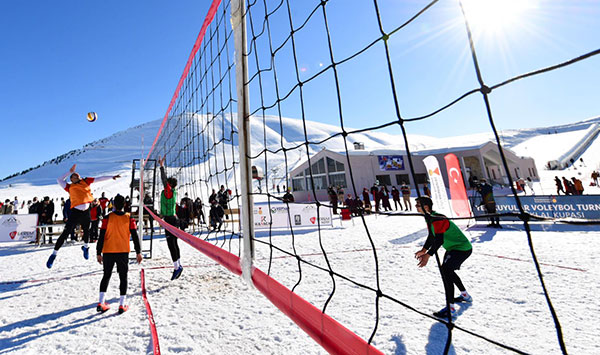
x: 127, y: 207
x: 487, y: 200
x: 340, y: 194
x: 569, y: 188
x: 521, y: 185
x: 349, y: 202
x: 405, y: 189
x: 199, y: 210
x: 358, y: 207
x: 595, y: 177
x: 95, y: 217
x: 427, y: 192
x: 529, y: 183
x: 385, y: 199
x: 103, y: 204
x: 184, y: 212
x: 288, y: 197
x: 333, y: 199
x: 7, y: 208
x: 223, y: 199
x: 15, y: 206
x: 559, y: 186
x: 212, y: 197
x: 396, y: 198
x: 577, y: 186
x: 375, y: 193
x: 45, y: 212
x: 216, y: 215
x: 366, y: 200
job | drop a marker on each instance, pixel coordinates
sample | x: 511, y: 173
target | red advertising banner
x: 458, y: 192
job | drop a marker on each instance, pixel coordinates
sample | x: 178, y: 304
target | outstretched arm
x: 104, y: 178
x: 61, y: 180
x: 163, y: 175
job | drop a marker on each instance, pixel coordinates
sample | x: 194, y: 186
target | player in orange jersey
x: 80, y: 194
x: 113, y: 248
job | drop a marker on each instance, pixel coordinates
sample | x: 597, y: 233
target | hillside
x: 114, y: 154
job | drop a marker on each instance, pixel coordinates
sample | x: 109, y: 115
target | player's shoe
x: 50, y: 261
x: 86, y: 252
x: 461, y: 299
x: 177, y: 272
x: 444, y: 313
x: 102, y: 307
x: 123, y: 309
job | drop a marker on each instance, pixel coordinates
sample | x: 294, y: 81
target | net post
x: 238, y: 22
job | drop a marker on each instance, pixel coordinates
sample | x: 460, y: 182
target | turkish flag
x: 458, y: 191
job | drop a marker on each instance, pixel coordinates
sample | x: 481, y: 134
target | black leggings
x: 109, y: 260
x: 171, y: 239
x: 77, y: 217
x: 453, y: 259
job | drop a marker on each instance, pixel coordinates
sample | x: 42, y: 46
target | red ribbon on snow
x: 153, y: 332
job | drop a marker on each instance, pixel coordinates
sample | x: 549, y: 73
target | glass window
x: 319, y: 182
x: 420, y: 178
x: 338, y: 179
x: 331, y: 165
x: 298, y: 184
x: 402, y: 178
x: 334, y: 166
x: 319, y: 167
x: 384, y: 179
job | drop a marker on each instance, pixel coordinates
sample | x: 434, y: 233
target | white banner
x: 439, y: 196
x: 299, y: 216
x: 17, y: 227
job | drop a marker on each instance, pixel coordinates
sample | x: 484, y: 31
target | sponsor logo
x: 11, y: 221
x: 27, y: 234
x: 12, y: 234
x: 278, y: 210
x: 325, y: 220
x: 435, y: 171
x: 297, y: 219
x: 313, y: 220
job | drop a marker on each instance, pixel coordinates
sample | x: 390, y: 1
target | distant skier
x: 168, y: 201
x: 113, y: 248
x: 80, y: 195
x: 443, y: 232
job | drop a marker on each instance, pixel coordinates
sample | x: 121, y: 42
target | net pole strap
x: 238, y: 23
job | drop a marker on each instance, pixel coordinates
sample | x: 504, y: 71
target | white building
x: 361, y: 168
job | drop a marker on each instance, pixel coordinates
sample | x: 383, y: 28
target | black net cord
x: 485, y: 92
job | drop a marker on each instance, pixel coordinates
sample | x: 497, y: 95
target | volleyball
x: 92, y: 116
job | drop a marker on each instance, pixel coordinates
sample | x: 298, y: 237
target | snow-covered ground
x: 211, y: 311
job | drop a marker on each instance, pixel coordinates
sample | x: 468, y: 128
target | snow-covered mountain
x: 114, y: 154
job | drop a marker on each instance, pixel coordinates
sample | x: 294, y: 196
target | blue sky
x: 123, y: 59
